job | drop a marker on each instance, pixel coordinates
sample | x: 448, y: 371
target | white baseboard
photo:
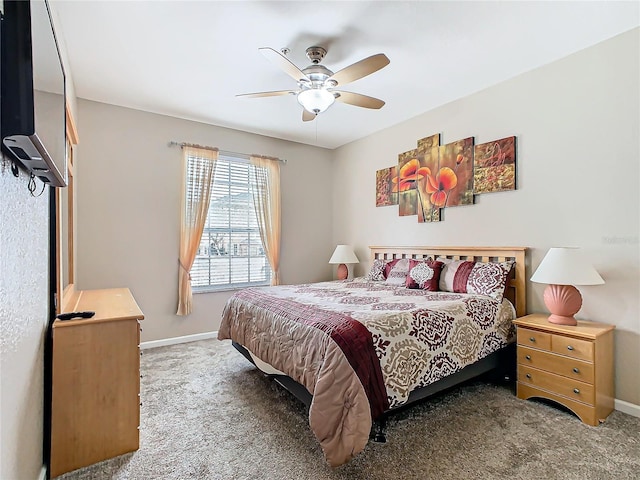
x: 43, y: 473
x: 627, y: 407
x: 176, y: 340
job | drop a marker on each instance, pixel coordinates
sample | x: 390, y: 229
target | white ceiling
x: 190, y: 59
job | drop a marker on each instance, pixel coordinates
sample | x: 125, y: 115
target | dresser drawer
x: 534, y: 338
x: 550, y: 362
x: 573, y: 389
x: 572, y: 347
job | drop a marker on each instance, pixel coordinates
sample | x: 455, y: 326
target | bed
x: 356, y: 351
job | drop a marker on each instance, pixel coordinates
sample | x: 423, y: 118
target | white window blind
x: 231, y: 254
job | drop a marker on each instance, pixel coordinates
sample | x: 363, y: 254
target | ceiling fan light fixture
x: 316, y: 100
x: 316, y: 82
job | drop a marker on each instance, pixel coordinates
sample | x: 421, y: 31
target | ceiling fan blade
x: 358, y: 100
x: 266, y: 94
x: 360, y: 69
x: 307, y: 116
x: 284, y: 63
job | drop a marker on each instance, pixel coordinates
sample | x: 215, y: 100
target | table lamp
x: 561, y: 269
x: 342, y: 255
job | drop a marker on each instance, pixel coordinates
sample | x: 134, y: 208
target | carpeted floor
x: 209, y: 414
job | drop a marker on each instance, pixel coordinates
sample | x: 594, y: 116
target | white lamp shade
x: 566, y: 266
x: 344, y: 254
x: 316, y: 100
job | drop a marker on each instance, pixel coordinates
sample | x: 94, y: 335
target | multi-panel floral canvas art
x: 433, y: 176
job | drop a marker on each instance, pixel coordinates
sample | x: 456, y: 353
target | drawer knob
x: 528, y: 357
x: 569, y: 347
x: 576, y: 370
x: 528, y: 375
x: 532, y: 339
x: 576, y: 391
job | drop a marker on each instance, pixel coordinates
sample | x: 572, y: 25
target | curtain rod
x: 173, y: 143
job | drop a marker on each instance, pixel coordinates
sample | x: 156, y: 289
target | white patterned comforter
x: 419, y: 336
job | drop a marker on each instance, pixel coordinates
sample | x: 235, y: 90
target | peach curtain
x: 198, y: 165
x: 265, y: 176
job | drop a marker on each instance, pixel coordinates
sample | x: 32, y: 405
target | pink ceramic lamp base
x: 343, y: 272
x: 563, y: 301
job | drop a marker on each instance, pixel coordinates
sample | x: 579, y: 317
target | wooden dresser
x: 95, y: 380
x: 572, y: 365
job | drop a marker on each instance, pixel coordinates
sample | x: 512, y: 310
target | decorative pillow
x: 489, y: 279
x: 462, y: 276
x: 398, y: 271
x: 448, y: 273
x: 424, y: 274
x: 376, y: 273
x: 389, y: 265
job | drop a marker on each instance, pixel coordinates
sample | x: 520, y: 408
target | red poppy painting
x: 433, y: 176
x: 495, y: 166
x: 427, y: 156
x: 386, y: 182
x: 452, y: 184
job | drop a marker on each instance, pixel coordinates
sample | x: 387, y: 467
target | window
x: 231, y: 253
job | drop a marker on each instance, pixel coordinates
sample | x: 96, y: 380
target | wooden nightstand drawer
x: 567, y: 367
x: 573, y: 389
x: 587, y: 413
x: 534, y: 338
x: 572, y: 347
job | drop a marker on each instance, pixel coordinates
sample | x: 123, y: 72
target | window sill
x: 226, y: 289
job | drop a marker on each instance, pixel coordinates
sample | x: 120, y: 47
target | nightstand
x: 572, y: 365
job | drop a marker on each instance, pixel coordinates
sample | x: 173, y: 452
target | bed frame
x: 501, y: 363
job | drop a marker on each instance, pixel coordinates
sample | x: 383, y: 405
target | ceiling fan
x: 316, y: 83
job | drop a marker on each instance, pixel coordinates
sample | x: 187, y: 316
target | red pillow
x: 424, y: 274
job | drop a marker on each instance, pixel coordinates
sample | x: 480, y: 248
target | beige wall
x: 577, y: 127
x: 24, y: 283
x: 129, y: 210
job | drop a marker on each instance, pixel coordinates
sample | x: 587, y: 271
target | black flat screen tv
x: 33, y: 111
